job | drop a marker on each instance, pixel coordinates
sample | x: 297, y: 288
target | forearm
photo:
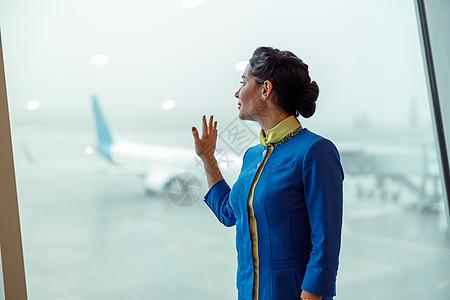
x: 212, y: 170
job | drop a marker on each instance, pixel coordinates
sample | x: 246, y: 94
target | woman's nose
x: 237, y: 93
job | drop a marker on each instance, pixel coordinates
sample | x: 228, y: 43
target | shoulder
x: 309, y: 141
x: 320, y: 154
x: 311, y: 148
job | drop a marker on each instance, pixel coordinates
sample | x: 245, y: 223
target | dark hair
x: 296, y: 93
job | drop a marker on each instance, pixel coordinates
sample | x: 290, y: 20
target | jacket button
x: 258, y: 165
x: 264, y: 152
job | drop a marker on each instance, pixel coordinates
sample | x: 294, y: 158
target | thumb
x: 195, y: 134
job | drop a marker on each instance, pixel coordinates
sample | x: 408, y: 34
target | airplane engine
x: 156, y: 182
x: 184, y: 189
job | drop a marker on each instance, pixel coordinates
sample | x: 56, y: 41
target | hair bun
x: 294, y: 91
x: 308, y: 97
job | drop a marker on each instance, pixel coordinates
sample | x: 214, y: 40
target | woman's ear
x: 267, y: 89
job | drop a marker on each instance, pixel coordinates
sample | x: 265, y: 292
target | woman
x: 287, y: 201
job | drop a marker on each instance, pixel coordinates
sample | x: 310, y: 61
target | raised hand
x: 206, y: 145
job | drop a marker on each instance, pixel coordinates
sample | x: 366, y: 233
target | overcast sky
x: 365, y: 56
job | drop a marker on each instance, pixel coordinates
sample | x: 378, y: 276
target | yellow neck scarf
x: 281, y: 133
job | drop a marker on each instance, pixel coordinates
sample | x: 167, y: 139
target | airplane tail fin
x: 104, y: 136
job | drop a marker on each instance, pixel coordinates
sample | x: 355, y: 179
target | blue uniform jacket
x: 298, y: 208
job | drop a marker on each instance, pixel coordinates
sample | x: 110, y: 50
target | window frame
x: 10, y: 236
x: 426, y: 9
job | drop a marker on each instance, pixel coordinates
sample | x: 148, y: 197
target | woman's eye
x: 241, y: 82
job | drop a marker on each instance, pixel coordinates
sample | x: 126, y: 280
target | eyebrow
x: 243, y: 76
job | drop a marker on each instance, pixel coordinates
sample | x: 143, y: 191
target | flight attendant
x: 287, y: 201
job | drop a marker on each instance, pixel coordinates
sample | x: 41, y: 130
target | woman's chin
x: 242, y: 116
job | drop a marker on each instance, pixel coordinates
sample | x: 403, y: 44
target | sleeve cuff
x: 215, y: 186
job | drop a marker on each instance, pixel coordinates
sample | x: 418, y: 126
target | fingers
x: 195, y: 134
x: 204, y: 127
x: 210, y: 127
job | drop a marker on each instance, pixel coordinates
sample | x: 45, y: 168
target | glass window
x: 102, y: 99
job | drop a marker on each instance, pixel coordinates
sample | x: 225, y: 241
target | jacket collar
x: 281, y: 133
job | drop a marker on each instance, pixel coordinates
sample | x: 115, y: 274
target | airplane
x: 173, y: 170
x: 374, y: 172
x: 385, y: 172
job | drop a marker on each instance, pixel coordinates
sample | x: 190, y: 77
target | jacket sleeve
x: 217, y: 199
x: 322, y: 179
